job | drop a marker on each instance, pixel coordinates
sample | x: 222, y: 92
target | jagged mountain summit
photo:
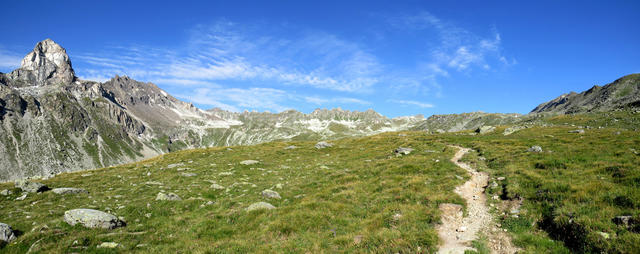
x: 622, y: 93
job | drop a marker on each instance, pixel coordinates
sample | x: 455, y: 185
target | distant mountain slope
x: 52, y: 122
x: 622, y: 93
x: 465, y: 121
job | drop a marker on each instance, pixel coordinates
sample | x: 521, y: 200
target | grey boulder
x: 6, y: 233
x: 249, y: 162
x: 260, y: 206
x: 577, y: 131
x: 64, y: 191
x: 168, y: 197
x: 29, y: 186
x: 323, y: 144
x: 92, y: 219
x: 270, y: 194
x: 485, y: 129
x: 535, y: 149
x: 403, y: 151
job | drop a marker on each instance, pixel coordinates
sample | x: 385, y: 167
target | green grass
x: 570, y: 192
x: 329, y: 197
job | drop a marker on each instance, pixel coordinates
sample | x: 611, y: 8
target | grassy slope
x: 358, y: 192
x: 571, y: 192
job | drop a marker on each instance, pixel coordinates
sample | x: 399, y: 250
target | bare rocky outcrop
x: 92, y: 219
x: 47, y: 64
x: 622, y: 93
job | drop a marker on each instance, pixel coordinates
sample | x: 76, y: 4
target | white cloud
x: 413, y: 103
x: 9, y: 60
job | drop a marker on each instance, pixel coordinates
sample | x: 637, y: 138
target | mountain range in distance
x: 54, y: 122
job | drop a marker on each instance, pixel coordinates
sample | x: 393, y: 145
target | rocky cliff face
x: 622, y: 93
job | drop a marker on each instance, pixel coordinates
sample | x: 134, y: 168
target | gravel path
x: 456, y: 231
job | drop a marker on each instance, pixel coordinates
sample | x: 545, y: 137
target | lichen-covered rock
x: 6, y: 233
x: 270, y: 194
x: 323, y: 144
x: 29, y: 186
x: 64, y: 191
x: 92, y: 219
x: 168, y: 196
x: 260, y: 206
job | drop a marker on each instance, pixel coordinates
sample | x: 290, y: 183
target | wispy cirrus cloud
x: 9, y: 60
x: 413, y: 103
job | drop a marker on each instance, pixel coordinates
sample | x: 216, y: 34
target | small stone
x: 323, y: 144
x: 249, y: 162
x: 109, y: 245
x: 461, y: 229
x: 175, y: 165
x: 403, y: 151
x: 495, y: 197
x: 501, y: 178
x: 270, y: 194
x: 168, y: 196
x: 6, y: 192
x: 92, y: 219
x: 6, y: 233
x: 535, y: 149
x: 279, y: 186
x: 189, y: 174
x: 604, y: 235
x: 493, y: 185
x: 22, y: 197
x: 290, y: 147
x: 29, y: 186
x: 577, y: 131
x: 64, y: 191
x: 260, y: 206
x: 152, y: 183
x: 216, y: 186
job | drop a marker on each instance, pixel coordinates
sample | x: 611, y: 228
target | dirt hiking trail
x: 457, y: 232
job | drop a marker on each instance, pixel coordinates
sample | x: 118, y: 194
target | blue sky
x: 398, y: 58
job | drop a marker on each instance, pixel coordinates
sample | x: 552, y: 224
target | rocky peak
x: 47, y: 63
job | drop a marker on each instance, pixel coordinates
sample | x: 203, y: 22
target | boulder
x: 216, y: 186
x: 29, y: 186
x: 92, y: 219
x: 249, y: 162
x: 323, y: 144
x: 535, y: 149
x: 64, y: 191
x: 403, y: 151
x: 168, y: 197
x: 270, y: 194
x: 485, y: 129
x: 109, y: 245
x: 6, y: 233
x: 6, y: 192
x: 260, y: 206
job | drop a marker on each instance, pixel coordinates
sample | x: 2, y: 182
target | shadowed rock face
x: 48, y: 63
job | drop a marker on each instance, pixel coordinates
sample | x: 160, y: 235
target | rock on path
x: 92, y: 219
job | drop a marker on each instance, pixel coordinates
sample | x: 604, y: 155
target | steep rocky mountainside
x: 622, y: 93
